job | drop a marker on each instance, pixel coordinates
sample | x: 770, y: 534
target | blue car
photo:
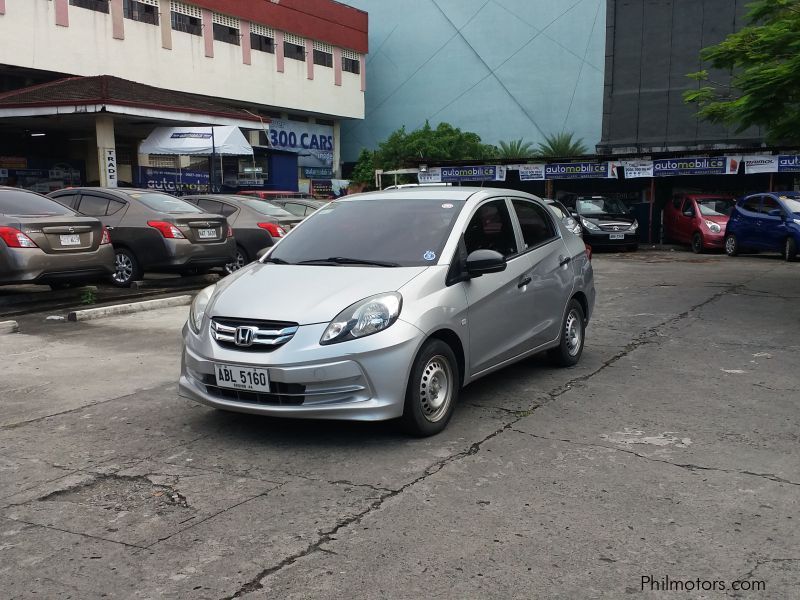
x: 765, y: 222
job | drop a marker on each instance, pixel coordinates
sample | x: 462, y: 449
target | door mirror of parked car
x: 775, y: 212
x: 482, y: 262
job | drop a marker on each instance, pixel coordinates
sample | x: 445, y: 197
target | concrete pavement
x: 671, y: 451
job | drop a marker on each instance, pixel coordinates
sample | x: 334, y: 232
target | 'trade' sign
x: 110, y: 155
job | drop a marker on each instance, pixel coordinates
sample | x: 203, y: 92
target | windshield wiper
x: 342, y: 260
x: 276, y: 261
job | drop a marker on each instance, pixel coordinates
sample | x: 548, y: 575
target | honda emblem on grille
x: 244, y: 336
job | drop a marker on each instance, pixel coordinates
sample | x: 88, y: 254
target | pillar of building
x: 165, y: 21
x: 208, y: 32
x: 310, y: 59
x: 246, y: 48
x: 2, y: 7
x: 62, y: 12
x: 106, y: 148
x: 337, y: 66
x: 117, y: 19
x: 280, y: 57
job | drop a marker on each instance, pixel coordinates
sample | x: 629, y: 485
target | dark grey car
x: 42, y: 241
x: 153, y: 231
x: 301, y: 207
x: 257, y: 224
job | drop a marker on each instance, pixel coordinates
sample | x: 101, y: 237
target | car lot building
x: 83, y: 82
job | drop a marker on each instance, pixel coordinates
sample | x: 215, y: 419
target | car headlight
x: 634, y: 226
x: 363, y: 318
x: 198, y: 309
x: 713, y: 227
x: 589, y: 225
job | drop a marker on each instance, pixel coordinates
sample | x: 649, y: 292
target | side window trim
x: 518, y: 226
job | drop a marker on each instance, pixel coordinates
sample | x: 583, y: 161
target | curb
x: 127, y: 309
x: 190, y: 281
x: 12, y: 301
x: 8, y: 327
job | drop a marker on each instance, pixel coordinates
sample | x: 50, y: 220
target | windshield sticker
x: 429, y: 255
x: 448, y: 205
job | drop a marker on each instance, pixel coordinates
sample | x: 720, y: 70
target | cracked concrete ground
x: 670, y: 451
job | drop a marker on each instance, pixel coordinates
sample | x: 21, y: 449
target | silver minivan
x: 383, y: 305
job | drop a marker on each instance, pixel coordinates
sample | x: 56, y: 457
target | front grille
x: 615, y: 227
x: 282, y: 394
x: 261, y: 336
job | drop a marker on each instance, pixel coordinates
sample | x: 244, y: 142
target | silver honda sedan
x: 384, y: 305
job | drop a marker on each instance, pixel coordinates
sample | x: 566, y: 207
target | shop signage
x: 580, y: 170
x: 788, y: 164
x: 319, y: 172
x: 322, y: 187
x: 13, y: 162
x: 697, y: 165
x: 173, y: 180
x: 533, y: 172
x: 110, y: 161
x: 186, y: 135
x: 635, y: 169
x: 313, y: 143
x: 462, y: 174
x: 760, y: 164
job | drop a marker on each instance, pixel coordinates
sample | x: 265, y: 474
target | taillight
x: 14, y: 238
x: 274, y: 229
x: 588, y: 251
x: 168, y: 230
x: 106, y: 239
x: 230, y: 231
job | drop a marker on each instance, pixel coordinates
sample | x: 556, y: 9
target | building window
x: 351, y: 65
x: 186, y: 18
x: 145, y: 11
x: 262, y: 43
x: 294, y: 47
x: 98, y: 5
x: 323, y: 58
x: 226, y: 29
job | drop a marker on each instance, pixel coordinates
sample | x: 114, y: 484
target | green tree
x: 561, y: 145
x: 364, y: 171
x: 515, y: 149
x: 765, y: 87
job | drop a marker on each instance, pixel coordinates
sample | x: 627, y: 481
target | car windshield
x: 265, y: 208
x: 792, y: 204
x: 404, y: 232
x: 164, y: 202
x: 716, y: 207
x: 600, y: 206
x: 22, y: 203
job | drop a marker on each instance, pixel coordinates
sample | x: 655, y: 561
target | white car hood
x: 304, y: 294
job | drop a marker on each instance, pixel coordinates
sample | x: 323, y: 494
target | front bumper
x: 32, y: 265
x: 362, y: 380
x: 602, y: 239
x: 714, y: 241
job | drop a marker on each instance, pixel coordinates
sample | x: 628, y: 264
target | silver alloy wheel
x: 436, y: 388
x: 573, y: 330
x: 237, y: 263
x: 730, y: 244
x: 124, y: 268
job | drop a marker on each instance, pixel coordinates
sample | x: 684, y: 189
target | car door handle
x: 565, y: 261
x: 523, y: 282
x: 110, y: 227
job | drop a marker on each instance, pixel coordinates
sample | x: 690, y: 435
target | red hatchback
x: 698, y: 220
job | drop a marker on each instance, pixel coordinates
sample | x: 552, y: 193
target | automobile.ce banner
x: 696, y: 165
x: 462, y: 174
x: 580, y: 170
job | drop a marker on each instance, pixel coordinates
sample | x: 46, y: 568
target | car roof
x: 434, y: 194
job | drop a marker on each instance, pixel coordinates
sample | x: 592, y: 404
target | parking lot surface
x: 670, y: 451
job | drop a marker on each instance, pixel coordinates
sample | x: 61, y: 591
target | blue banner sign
x: 317, y: 172
x: 173, y: 181
x: 699, y: 165
x: 579, y: 170
x: 788, y: 163
x: 479, y: 173
x: 313, y: 143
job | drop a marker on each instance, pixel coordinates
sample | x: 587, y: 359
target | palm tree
x: 561, y: 145
x: 515, y: 149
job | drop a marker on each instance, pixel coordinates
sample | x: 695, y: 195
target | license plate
x: 616, y: 236
x: 241, y: 378
x: 207, y: 234
x: 70, y: 240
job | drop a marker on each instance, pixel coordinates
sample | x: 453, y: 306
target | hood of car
x: 719, y: 219
x: 607, y: 219
x: 304, y: 294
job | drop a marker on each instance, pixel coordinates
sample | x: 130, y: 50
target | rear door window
x: 93, y: 206
x: 537, y: 227
x: 768, y: 203
x: 70, y: 200
x: 751, y: 203
x: 296, y: 209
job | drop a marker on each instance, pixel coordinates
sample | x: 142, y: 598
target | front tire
x: 127, y: 269
x: 573, y: 334
x: 432, y: 390
x: 790, y: 250
x: 697, y: 243
x: 731, y: 245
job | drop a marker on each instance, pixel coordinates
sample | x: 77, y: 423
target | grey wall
x: 650, y: 47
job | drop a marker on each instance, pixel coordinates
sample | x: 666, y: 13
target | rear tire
x: 731, y: 245
x: 240, y: 260
x: 790, y: 250
x: 573, y: 334
x: 127, y: 269
x: 432, y: 390
x: 697, y: 243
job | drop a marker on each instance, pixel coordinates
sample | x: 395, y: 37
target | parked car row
x: 89, y: 234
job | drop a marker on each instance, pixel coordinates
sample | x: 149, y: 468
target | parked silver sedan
x: 384, y: 305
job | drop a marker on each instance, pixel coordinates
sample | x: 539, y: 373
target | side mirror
x: 775, y: 212
x: 574, y: 213
x: 260, y: 254
x: 481, y: 262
